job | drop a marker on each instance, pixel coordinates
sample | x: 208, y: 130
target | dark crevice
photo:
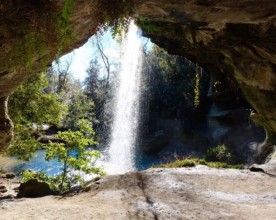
x: 141, y: 185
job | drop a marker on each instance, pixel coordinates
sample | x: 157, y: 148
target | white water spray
x: 126, y: 106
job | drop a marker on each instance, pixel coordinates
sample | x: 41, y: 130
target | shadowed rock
x: 32, y: 189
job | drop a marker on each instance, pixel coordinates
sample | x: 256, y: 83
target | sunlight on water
x: 126, y: 106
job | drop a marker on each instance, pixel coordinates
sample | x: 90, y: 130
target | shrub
x: 179, y: 163
x: 220, y: 153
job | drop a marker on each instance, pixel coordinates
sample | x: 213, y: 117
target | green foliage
x: 115, y: 14
x: 75, y: 156
x: 192, y: 161
x: 120, y: 28
x: 220, y: 153
x: 33, y: 105
x: 171, y: 88
x: 73, y: 153
x: 99, y: 90
x: 216, y: 157
x: 24, y: 144
x: 41, y: 177
x: 180, y: 163
x: 24, y: 50
x: 80, y: 107
x: 67, y: 10
x: 29, y: 45
x: 30, y: 104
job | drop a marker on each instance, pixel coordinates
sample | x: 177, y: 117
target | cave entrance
x: 184, y: 110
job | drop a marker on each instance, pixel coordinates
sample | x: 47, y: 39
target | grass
x: 191, y: 162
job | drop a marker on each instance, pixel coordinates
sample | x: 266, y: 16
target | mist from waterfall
x: 126, y: 106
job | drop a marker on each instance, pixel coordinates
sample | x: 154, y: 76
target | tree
x: 99, y: 91
x: 31, y: 107
x: 64, y: 89
x: 74, y: 154
x: 63, y: 75
x: 170, y: 83
x: 24, y: 144
x: 80, y: 107
x: 31, y: 104
x: 104, y: 58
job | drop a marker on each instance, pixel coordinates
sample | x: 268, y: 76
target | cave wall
x: 236, y: 38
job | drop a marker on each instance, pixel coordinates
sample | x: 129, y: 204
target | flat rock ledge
x: 183, y: 193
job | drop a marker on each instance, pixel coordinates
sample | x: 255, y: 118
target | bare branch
x: 104, y: 58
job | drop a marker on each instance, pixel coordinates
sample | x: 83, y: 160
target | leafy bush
x: 220, y: 153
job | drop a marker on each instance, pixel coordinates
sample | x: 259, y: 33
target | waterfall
x: 126, y: 105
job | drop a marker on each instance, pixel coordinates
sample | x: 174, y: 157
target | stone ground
x: 183, y: 193
x: 8, y: 186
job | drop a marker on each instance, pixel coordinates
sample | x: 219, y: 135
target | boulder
x: 33, y: 189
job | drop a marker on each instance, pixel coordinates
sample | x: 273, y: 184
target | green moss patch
x: 192, y: 161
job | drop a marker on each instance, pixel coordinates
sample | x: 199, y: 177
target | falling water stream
x: 126, y: 106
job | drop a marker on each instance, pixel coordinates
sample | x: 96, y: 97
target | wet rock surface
x: 190, y: 193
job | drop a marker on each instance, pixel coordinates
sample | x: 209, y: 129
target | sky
x: 81, y: 57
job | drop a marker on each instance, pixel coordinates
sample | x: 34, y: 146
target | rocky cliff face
x: 235, y: 38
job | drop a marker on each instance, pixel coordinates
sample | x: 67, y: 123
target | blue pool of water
x: 37, y: 163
